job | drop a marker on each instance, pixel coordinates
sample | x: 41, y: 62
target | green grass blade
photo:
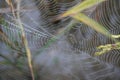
x: 80, y: 7
x: 93, y: 24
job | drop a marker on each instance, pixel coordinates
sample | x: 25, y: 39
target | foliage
x: 77, y: 15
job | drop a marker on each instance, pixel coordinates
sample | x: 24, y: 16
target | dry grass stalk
x: 28, y: 52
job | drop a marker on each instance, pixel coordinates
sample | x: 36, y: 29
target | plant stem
x: 28, y: 52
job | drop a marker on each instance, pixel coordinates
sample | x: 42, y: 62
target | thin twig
x: 25, y: 41
x: 8, y: 10
x: 9, y: 2
x: 4, y: 37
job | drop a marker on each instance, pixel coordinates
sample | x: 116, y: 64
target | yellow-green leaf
x: 80, y: 7
x: 93, y: 24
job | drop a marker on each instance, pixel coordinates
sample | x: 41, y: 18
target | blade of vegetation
x: 116, y: 36
x: 9, y: 2
x: 80, y: 7
x: 93, y: 24
x: 106, y: 48
x: 25, y: 41
x: 60, y: 33
x: 6, y: 40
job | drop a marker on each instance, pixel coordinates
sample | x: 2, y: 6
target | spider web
x: 86, y: 39
x: 40, y: 27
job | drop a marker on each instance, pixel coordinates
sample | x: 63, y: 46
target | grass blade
x: 80, y: 7
x: 93, y: 24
